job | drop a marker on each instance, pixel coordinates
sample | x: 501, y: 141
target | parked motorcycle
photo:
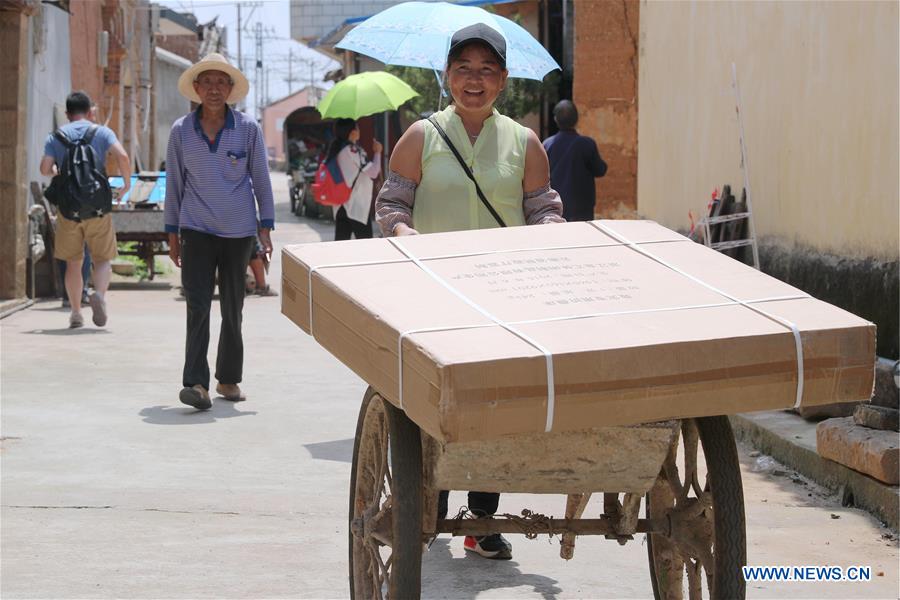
x: 306, y: 138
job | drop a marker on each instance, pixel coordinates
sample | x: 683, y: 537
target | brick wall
x: 13, y: 158
x: 605, y: 91
x: 112, y: 91
x: 186, y: 46
x: 85, y: 25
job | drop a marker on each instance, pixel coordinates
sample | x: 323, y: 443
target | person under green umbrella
x: 353, y: 218
x: 365, y: 94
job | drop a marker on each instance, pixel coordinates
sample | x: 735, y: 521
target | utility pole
x: 258, y: 77
x: 290, y: 77
x: 239, y: 33
x: 240, y: 60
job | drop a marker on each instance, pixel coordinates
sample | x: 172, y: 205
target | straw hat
x: 213, y: 62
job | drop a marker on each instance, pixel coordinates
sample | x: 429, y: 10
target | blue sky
x: 277, y: 45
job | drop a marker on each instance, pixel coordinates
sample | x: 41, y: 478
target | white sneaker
x: 76, y: 321
x: 98, y: 308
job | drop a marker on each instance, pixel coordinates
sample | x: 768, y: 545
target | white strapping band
x: 548, y: 356
x: 410, y: 332
x: 331, y: 265
x: 510, y: 326
x: 798, y: 342
x: 442, y: 257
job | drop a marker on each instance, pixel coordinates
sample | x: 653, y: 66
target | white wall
x: 819, y: 82
x: 50, y: 82
x: 170, y: 105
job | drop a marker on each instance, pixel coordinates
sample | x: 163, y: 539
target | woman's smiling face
x: 476, y: 78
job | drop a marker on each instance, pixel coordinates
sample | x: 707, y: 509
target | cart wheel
x: 707, y: 538
x: 385, y: 552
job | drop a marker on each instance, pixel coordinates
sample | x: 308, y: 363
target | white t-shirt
x: 350, y: 159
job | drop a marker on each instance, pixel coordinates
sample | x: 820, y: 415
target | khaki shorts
x: 97, y: 233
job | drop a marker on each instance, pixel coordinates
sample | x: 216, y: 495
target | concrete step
x: 791, y: 440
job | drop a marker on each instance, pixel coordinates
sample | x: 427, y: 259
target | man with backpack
x: 75, y: 156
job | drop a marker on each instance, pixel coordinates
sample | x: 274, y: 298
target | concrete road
x: 113, y: 489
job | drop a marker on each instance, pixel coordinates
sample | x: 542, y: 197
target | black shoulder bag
x: 467, y: 170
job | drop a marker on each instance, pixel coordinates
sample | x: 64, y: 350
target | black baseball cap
x: 479, y: 32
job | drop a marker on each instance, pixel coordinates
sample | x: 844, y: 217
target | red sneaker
x: 492, y: 546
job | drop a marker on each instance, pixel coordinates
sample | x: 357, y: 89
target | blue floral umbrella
x: 417, y: 34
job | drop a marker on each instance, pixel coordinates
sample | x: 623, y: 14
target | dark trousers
x: 481, y: 504
x: 202, y: 255
x: 344, y: 227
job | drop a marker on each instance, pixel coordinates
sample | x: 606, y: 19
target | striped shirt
x: 215, y: 187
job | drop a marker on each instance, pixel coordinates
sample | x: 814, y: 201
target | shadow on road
x: 446, y: 576
x: 144, y: 284
x: 67, y: 331
x: 184, y: 415
x: 336, y: 450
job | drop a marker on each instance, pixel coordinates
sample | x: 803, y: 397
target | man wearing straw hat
x: 217, y: 178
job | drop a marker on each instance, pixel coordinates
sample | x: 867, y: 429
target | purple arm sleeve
x: 395, y: 202
x: 542, y: 205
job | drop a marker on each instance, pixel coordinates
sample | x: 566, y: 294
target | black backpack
x: 81, y: 190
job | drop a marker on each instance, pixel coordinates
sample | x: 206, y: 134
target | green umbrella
x: 365, y: 94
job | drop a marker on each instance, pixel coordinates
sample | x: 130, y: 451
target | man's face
x: 213, y: 87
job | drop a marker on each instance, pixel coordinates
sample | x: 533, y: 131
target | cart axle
x: 533, y: 527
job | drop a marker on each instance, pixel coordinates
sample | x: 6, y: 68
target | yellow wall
x: 819, y: 85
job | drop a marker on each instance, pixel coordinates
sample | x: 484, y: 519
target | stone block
x: 827, y: 411
x: 886, y: 392
x: 869, y: 451
x: 877, y: 417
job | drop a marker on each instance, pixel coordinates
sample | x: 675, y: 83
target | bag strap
x: 89, y: 134
x: 63, y: 138
x: 358, y: 173
x: 467, y: 170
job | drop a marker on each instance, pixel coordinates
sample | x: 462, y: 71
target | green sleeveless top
x: 446, y: 199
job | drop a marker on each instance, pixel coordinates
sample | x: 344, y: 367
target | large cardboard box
x: 633, y: 322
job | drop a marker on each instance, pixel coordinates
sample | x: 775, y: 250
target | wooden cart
x: 687, y: 472
x: 138, y: 217
x: 146, y: 227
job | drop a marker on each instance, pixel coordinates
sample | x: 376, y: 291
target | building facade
x: 169, y: 107
x: 605, y: 89
x: 313, y: 19
x: 106, y: 48
x: 819, y: 92
x: 15, y: 25
x: 273, y: 117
